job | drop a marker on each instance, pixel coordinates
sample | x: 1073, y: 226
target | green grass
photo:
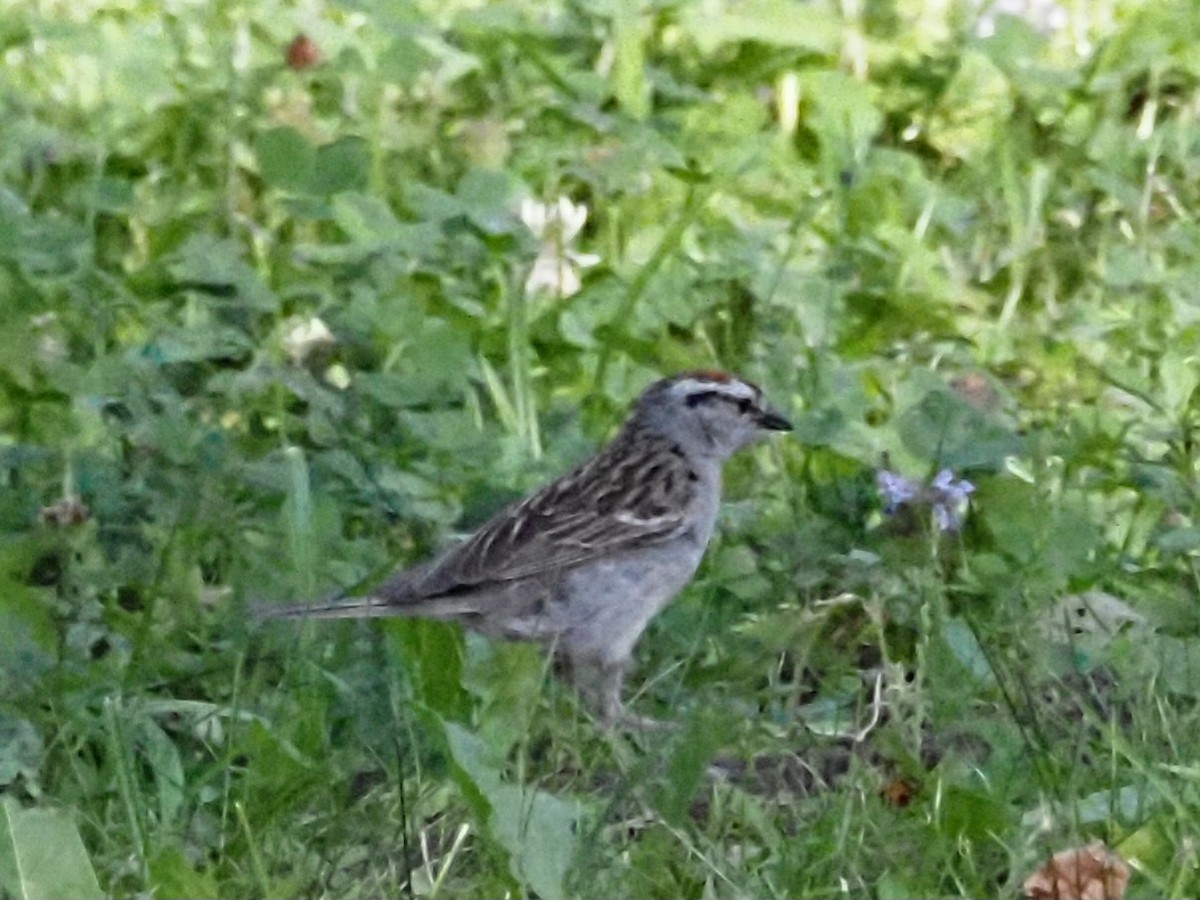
x: 934, y: 250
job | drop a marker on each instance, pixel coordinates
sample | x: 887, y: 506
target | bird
x: 585, y: 563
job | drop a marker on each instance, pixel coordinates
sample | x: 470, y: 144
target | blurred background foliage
x: 295, y: 292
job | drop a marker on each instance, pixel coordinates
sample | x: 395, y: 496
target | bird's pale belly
x: 607, y: 605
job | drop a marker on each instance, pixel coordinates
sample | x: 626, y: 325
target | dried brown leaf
x: 1083, y: 873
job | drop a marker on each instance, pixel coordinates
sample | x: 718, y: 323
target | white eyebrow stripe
x: 733, y: 388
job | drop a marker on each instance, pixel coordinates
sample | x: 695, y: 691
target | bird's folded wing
x: 617, y: 501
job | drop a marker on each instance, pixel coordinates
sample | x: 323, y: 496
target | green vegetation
x: 268, y: 330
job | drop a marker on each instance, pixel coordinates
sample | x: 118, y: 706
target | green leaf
x: 167, y: 768
x: 286, y: 159
x: 779, y: 23
x: 1180, y: 374
x: 629, y: 67
x: 365, y: 218
x: 53, y: 245
x: 21, y: 751
x: 507, y: 679
x: 173, y: 876
x: 972, y: 815
x: 1128, y: 803
x: 1176, y: 661
x: 218, y: 266
x: 539, y: 832
x: 199, y: 344
x: 111, y: 195
x: 537, y: 829
x: 28, y: 637
x: 342, y: 165
x: 42, y: 855
x: 298, y: 520
x: 689, y: 761
x: 948, y: 431
x: 960, y: 640
x: 488, y: 198
x: 845, y: 116
x: 436, y: 649
x: 977, y: 104
x: 404, y: 60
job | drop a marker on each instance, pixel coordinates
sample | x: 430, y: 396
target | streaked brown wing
x: 635, y: 492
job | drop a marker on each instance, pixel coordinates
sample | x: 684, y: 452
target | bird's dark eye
x: 745, y: 405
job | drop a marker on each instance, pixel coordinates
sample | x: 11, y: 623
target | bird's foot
x: 614, y: 715
x: 634, y: 722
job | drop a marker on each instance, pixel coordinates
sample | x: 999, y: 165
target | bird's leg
x: 600, y: 685
x: 609, y: 680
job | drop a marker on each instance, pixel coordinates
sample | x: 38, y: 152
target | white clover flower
x: 304, y: 337
x: 565, y: 218
x: 556, y: 269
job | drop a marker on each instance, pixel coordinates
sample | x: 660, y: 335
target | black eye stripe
x: 744, y: 404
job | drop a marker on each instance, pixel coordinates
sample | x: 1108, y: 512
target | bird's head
x: 710, y: 413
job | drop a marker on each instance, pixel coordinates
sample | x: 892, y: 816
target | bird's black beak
x: 770, y: 420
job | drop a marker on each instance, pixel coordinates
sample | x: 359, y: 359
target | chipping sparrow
x: 586, y: 562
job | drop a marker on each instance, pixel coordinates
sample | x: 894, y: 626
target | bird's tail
x: 338, y: 606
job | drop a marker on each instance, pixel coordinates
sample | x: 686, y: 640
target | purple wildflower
x: 896, y: 490
x: 950, y: 500
x: 947, y: 496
